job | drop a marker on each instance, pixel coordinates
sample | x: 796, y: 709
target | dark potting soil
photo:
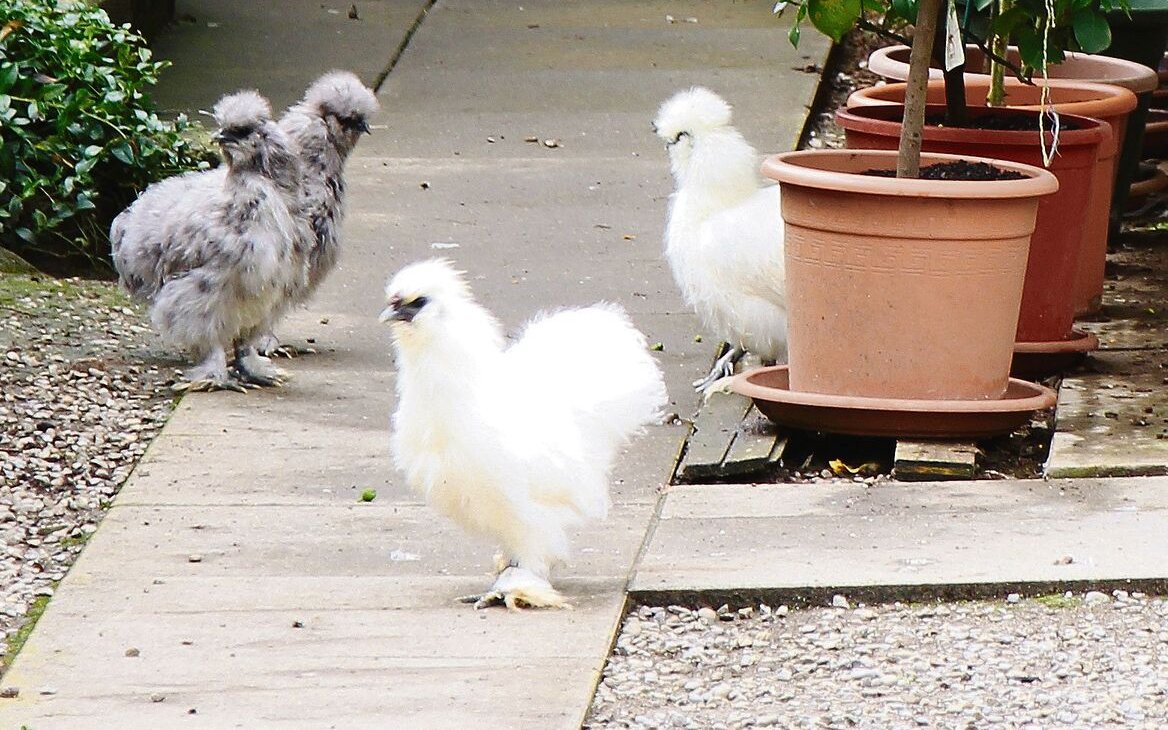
x: 960, y: 170
x: 1004, y: 122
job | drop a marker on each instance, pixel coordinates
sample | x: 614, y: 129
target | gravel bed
x: 1085, y: 661
x: 83, y: 390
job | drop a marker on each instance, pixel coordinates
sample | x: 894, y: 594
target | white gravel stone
x: 993, y: 665
x: 83, y: 390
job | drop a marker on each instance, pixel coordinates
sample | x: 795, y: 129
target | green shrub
x: 80, y: 138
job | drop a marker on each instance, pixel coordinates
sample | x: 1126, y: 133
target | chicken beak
x: 387, y: 314
x: 363, y: 127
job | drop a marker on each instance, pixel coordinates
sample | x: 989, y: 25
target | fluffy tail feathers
x: 603, y: 364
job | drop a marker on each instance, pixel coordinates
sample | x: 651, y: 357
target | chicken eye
x: 239, y: 132
x: 353, y: 123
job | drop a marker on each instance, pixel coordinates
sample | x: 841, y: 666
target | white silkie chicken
x: 724, y: 238
x: 325, y: 127
x: 215, y: 252
x: 515, y: 443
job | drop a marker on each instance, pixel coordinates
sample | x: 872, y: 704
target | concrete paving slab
x: 326, y: 678
x: 217, y: 46
x: 920, y: 539
x: 1112, y: 421
x: 357, y: 540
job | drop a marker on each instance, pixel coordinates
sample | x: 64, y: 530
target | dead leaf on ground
x: 840, y: 469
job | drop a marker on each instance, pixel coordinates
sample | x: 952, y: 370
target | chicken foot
x: 211, y: 374
x: 516, y: 587
x: 255, y: 369
x: 268, y: 345
x: 723, y: 367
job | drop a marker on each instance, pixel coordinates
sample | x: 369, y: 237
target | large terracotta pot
x: 1140, y: 79
x: 1110, y: 103
x: 1048, y: 302
x: 892, y: 63
x: 902, y: 288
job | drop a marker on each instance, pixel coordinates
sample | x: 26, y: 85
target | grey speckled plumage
x: 325, y: 126
x: 217, y: 252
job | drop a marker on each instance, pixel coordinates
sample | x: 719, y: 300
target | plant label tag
x: 954, y: 47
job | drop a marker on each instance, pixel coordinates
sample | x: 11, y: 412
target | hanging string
x: 1044, y: 104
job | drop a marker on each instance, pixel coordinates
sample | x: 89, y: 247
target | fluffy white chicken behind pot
x: 515, y: 443
x: 724, y: 238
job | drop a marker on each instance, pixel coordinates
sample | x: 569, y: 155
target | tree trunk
x: 955, y: 115
x: 997, y: 93
x: 908, y: 162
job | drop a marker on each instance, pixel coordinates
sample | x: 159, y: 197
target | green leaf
x: 1092, y: 32
x: 123, y: 153
x: 1030, y: 47
x: 833, y: 18
x: 8, y: 74
x: 906, y: 9
x: 1004, y: 24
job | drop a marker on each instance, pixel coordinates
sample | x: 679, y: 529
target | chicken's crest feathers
x: 694, y: 112
x: 241, y: 109
x: 341, y: 94
x: 436, y: 279
x: 705, y: 151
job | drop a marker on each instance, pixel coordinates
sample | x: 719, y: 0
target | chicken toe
x: 209, y: 375
x: 255, y: 369
x: 723, y: 368
x: 517, y: 588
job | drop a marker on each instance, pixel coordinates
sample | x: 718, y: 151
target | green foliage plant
x: 79, y: 137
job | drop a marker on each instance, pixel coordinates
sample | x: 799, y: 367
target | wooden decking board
x: 714, y: 430
x: 918, y: 461
x: 755, y: 446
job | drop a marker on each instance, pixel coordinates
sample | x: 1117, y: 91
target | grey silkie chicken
x: 324, y: 126
x: 216, y: 252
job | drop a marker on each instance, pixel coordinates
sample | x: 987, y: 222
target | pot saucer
x: 769, y: 388
x: 1035, y: 360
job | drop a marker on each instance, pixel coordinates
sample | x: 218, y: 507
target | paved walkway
x: 237, y: 562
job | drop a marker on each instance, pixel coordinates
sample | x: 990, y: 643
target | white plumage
x: 513, y: 443
x: 215, y: 252
x: 324, y: 126
x: 724, y: 239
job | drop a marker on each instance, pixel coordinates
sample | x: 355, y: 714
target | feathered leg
x: 210, y: 374
x: 257, y: 369
x: 518, y: 587
x: 269, y: 345
x: 723, y: 367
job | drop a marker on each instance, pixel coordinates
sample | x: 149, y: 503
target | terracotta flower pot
x: 1048, y: 302
x: 1110, y: 103
x: 902, y: 288
x: 892, y: 63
